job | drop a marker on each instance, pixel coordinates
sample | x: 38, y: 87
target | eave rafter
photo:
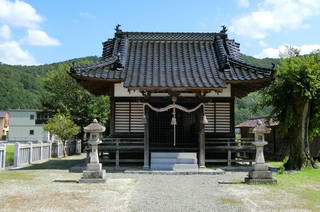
x: 97, y: 86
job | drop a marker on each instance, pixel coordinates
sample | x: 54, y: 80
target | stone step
x: 183, y: 167
x: 179, y: 155
x: 162, y: 166
x: 175, y: 167
x: 174, y: 160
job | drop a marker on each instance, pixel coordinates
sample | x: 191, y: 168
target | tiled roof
x: 156, y: 63
x: 171, y: 60
x: 253, y: 122
x: 101, y: 69
x: 240, y: 71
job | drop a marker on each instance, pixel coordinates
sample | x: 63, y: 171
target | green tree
x: 248, y: 107
x: 63, y: 94
x: 63, y: 127
x: 295, y: 97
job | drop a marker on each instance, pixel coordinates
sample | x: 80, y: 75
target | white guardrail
x: 31, y: 152
x: 2, y: 156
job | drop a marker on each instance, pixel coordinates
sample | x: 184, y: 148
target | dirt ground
x: 34, y: 189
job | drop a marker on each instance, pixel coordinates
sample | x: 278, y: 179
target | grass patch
x: 304, y: 184
x: 307, y: 175
x: 238, y: 181
x: 54, y: 201
x: 16, y: 175
x: 231, y: 201
x: 281, y: 163
x: 9, y: 155
x: 275, y: 163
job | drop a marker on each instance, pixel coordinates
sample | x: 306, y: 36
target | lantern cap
x: 261, y: 128
x: 94, y: 127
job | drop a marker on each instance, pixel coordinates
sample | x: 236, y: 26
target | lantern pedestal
x: 94, y: 172
x: 93, y: 176
x: 260, y: 173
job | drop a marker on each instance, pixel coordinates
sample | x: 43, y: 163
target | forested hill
x: 266, y: 62
x: 20, y: 87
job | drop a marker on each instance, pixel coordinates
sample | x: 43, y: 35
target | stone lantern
x: 260, y: 172
x: 94, y: 172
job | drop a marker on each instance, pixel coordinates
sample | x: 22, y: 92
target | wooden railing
x: 121, y: 144
x: 241, y: 147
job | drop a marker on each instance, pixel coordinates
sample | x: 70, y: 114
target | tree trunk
x: 299, y: 155
x: 64, y: 148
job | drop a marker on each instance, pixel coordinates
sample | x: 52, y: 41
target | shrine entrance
x: 164, y: 136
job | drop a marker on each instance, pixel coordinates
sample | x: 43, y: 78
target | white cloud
x: 275, y: 16
x: 86, y: 14
x: 11, y: 53
x: 19, y: 13
x: 5, y: 32
x: 268, y: 52
x: 39, y: 38
x: 243, y: 3
x: 274, y: 52
x: 263, y: 43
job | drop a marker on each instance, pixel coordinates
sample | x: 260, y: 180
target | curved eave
x: 247, y: 65
x: 96, y: 86
x: 88, y: 78
x: 103, y: 69
x: 248, y: 82
x: 246, y: 78
x: 242, y: 88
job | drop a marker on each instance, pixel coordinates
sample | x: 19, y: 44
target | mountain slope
x: 19, y: 85
x: 265, y: 62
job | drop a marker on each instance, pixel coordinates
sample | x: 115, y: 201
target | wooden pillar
x: 112, y: 116
x: 229, y: 154
x: 146, y: 139
x: 201, y: 140
x: 117, y: 154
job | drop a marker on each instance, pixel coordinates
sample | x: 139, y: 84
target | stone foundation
x: 260, y: 175
x: 93, y: 174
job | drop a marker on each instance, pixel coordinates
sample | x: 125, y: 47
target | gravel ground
x: 185, y: 193
x: 34, y: 189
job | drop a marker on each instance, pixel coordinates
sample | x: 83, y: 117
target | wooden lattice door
x: 162, y: 133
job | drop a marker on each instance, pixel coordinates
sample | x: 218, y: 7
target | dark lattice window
x: 219, y: 117
x: 128, y: 117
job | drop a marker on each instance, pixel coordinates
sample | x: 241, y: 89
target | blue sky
x: 39, y: 32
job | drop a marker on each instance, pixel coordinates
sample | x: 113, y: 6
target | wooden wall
x: 127, y: 114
